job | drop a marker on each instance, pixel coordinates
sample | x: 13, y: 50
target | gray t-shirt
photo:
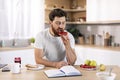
x: 53, y: 47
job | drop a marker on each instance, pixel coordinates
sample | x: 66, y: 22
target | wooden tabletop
x: 40, y: 75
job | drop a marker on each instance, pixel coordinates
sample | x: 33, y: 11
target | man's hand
x: 65, y: 40
x: 70, y: 53
x: 64, y: 36
x: 60, y: 64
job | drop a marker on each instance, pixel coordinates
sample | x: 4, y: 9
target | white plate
x: 38, y: 68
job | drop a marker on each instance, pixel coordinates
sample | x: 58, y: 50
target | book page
x: 70, y: 71
x: 54, y: 73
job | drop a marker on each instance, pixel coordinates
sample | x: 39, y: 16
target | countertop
x: 110, y: 48
x: 15, y: 48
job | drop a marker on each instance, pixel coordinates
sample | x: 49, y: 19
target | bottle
x: 91, y: 39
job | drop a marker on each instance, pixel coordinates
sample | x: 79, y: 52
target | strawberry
x: 81, y: 65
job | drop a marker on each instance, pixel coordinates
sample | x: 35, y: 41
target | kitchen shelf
x: 94, y: 22
x: 103, y: 22
x: 73, y: 15
x: 68, y: 10
x: 70, y: 22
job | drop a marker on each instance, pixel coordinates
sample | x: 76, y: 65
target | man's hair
x: 57, y: 13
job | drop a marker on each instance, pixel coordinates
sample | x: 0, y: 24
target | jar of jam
x: 17, y: 60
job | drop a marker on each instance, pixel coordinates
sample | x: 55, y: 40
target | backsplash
x: 100, y: 29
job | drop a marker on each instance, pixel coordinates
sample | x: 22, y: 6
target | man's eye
x: 59, y: 23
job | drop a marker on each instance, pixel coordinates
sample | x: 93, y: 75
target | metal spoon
x: 110, y: 71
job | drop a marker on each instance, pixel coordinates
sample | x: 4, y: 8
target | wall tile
x: 114, y: 30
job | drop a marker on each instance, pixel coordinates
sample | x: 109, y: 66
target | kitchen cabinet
x: 103, y: 11
x: 101, y: 56
x: 75, y: 15
x: 27, y: 56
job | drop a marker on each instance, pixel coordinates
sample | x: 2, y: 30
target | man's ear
x: 50, y: 22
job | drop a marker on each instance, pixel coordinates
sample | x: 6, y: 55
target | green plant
x: 32, y: 40
x: 74, y: 31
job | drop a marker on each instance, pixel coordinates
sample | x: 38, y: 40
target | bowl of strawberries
x: 89, y: 65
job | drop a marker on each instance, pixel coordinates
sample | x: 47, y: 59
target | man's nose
x: 60, y: 26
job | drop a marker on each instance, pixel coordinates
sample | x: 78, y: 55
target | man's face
x: 58, y: 24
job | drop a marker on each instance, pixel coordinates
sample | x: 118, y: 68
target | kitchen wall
x: 98, y: 29
x: 103, y: 10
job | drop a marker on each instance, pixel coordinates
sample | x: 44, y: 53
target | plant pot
x: 32, y: 44
x: 81, y: 40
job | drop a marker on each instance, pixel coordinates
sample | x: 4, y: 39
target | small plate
x: 90, y: 69
x: 38, y: 68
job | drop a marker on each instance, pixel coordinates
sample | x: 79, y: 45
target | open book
x: 63, y: 71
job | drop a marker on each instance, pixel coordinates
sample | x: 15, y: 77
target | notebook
x: 2, y: 65
x: 63, y: 71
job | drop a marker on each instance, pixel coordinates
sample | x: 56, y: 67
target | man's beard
x: 56, y: 34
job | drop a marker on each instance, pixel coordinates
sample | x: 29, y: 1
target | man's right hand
x: 60, y: 64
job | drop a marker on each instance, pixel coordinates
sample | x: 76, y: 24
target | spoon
x: 110, y: 71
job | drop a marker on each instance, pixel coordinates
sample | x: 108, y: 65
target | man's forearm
x: 52, y: 64
x: 70, y: 55
x: 46, y: 62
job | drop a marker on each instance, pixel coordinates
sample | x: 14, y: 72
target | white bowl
x: 106, y: 76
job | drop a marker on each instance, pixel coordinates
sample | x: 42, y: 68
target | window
x: 21, y: 18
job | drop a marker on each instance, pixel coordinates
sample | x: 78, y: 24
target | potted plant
x: 32, y: 40
x: 75, y: 32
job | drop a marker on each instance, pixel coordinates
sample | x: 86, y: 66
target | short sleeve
x: 38, y: 41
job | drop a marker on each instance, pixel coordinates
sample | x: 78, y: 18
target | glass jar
x: 74, y: 4
x: 17, y: 60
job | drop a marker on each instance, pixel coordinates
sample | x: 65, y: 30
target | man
x: 52, y: 48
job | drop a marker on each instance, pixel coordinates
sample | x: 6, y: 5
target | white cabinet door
x: 27, y: 56
x: 80, y: 55
x: 103, y: 10
x: 101, y: 56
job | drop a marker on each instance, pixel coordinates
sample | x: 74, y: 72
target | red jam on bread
x: 63, y: 33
